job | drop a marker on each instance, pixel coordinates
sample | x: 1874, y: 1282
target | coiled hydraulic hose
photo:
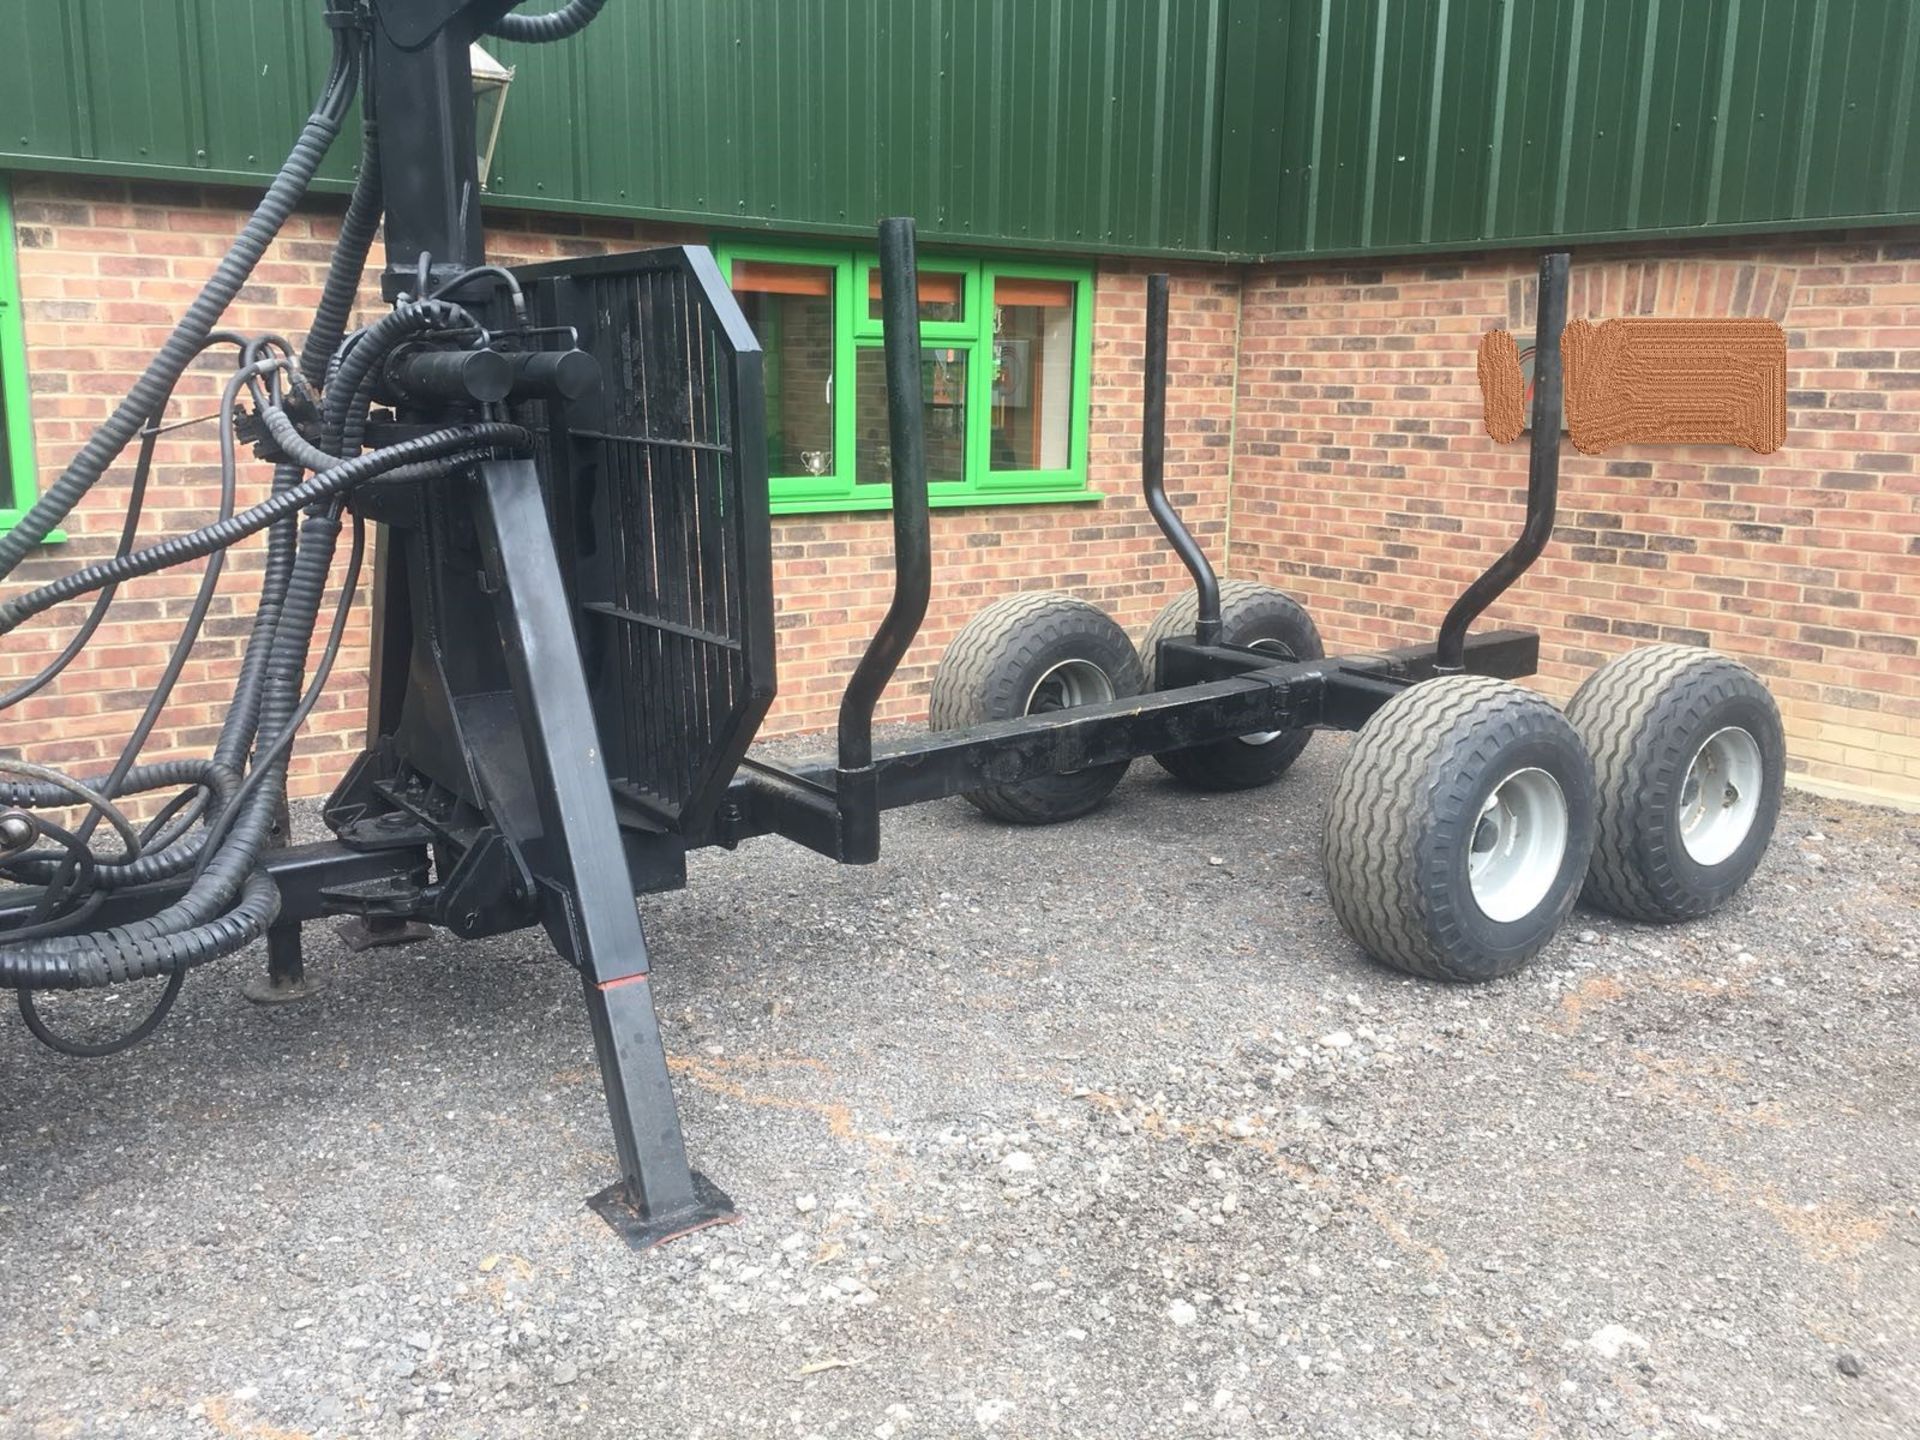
x: 247, y: 374
x: 466, y: 442
x: 159, y: 860
x: 196, y: 928
x: 569, y: 19
x: 129, y: 528
x: 148, y: 392
x: 216, y: 827
x: 232, y: 901
x: 236, y: 731
x: 357, y: 229
x: 64, y: 790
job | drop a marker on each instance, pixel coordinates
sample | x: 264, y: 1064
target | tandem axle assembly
x: 573, y: 646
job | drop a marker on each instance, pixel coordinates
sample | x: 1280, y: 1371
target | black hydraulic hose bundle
x: 176, y: 662
x: 466, y: 442
x: 357, y: 229
x: 218, y: 824
x: 155, y: 862
x: 232, y: 900
x: 569, y: 19
x: 188, y: 335
x: 211, y: 836
x: 130, y: 527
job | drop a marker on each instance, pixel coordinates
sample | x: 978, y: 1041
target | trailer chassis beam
x: 1225, y: 692
x: 1337, y: 694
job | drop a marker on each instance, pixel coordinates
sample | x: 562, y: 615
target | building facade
x: 1364, y: 202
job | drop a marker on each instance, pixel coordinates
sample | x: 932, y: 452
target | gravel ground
x: 1104, y: 1130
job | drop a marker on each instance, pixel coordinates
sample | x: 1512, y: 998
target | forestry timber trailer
x: 573, y: 644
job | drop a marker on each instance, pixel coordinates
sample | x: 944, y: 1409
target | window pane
x: 1032, y: 374
x: 942, y: 295
x: 790, y: 308
x: 943, y: 394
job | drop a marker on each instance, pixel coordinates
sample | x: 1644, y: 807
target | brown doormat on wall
x: 1652, y: 382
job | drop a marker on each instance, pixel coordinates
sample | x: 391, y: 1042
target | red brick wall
x: 106, y: 266
x: 1364, y: 479
x: 1341, y: 407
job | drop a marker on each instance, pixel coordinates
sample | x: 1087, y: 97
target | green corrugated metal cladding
x: 1381, y: 126
x: 1089, y: 123
x: 1207, y: 127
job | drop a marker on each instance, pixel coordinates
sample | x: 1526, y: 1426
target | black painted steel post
x: 1543, y: 472
x: 286, y: 964
x: 1153, y: 468
x: 420, y: 82
x: 580, y: 866
x: 286, y: 977
x: 428, y: 156
x: 912, y: 544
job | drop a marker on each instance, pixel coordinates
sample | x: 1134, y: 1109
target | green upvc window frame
x: 1036, y: 484
x: 840, y: 491
x: 19, y: 481
x: 866, y: 326
x: 809, y: 494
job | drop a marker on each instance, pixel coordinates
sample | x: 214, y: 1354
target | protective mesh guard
x: 658, y: 490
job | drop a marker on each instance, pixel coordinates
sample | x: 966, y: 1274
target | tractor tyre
x: 1033, y: 654
x: 1258, y: 617
x: 1689, y: 758
x: 1458, y: 833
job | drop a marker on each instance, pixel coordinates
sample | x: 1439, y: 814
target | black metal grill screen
x: 658, y: 488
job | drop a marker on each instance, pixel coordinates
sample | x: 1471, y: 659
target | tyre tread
x: 1631, y: 713
x: 1389, y: 790
x: 977, y: 679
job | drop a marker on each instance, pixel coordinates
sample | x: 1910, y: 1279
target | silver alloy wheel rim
x: 1270, y: 647
x: 1067, y: 686
x: 1720, y: 796
x: 1518, y: 843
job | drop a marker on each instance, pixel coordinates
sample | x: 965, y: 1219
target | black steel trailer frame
x: 516, y: 643
x: 556, y: 842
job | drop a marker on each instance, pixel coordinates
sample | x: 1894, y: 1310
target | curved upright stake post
x: 912, y: 545
x: 1153, y: 467
x: 1543, y: 472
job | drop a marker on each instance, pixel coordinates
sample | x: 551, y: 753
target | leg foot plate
x: 277, y: 990
x: 710, y: 1207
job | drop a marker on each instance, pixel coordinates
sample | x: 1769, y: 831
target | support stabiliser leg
x: 658, y: 1197
x: 286, y: 977
x: 580, y: 864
